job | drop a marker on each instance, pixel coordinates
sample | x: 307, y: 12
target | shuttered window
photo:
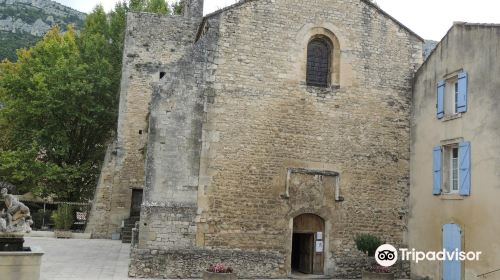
x: 465, y: 167
x: 451, y: 169
x: 461, y: 99
x: 318, y: 62
x: 436, y: 166
x: 440, y: 99
x: 452, y: 95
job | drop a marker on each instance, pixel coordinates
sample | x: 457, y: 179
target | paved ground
x: 82, y: 259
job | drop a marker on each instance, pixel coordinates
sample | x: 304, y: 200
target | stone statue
x: 17, y: 217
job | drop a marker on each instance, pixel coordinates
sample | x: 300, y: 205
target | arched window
x: 319, y: 56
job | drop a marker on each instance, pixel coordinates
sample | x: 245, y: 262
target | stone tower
x: 149, y: 51
x: 193, y: 8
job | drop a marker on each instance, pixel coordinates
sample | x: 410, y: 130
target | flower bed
x: 219, y: 272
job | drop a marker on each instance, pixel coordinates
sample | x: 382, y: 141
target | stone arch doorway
x: 308, y: 240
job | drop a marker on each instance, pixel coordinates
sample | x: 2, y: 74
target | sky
x: 430, y: 19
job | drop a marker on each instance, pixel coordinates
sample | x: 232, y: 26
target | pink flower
x: 220, y: 268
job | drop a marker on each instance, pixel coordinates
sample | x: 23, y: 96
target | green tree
x: 137, y: 5
x: 58, y: 113
x: 58, y: 104
x: 157, y: 6
x: 178, y: 7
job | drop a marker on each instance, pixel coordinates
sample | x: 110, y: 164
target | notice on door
x: 319, y: 246
x: 319, y: 235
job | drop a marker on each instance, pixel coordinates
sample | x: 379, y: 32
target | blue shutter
x: 440, y: 99
x: 452, y: 240
x: 436, y: 168
x: 462, y: 93
x: 464, y: 171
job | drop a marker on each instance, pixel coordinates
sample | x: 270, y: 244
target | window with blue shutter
x: 461, y: 99
x: 464, y: 160
x: 437, y: 172
x: 452, y: 241
x: 440, y: 99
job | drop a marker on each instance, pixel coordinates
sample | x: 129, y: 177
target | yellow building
x: 455, y: 147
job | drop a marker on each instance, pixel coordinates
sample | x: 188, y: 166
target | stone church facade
x: 266, y: 135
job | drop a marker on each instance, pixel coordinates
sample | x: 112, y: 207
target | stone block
x: 21, y: 265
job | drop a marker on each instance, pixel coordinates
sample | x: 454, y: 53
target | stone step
x: 128, y: 225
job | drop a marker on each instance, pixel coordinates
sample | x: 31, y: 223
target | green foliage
x: 368, y: 243
x: 156, y: 6
x: 58, y: 105
x: 10, y: 42
x: 63, y: 217
x: 59, y: 110
x: 137, y: 5
x: 178, y: 7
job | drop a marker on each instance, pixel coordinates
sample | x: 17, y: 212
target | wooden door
x: 306, y: 253
x: 319, y: 256
x: 308, y: 244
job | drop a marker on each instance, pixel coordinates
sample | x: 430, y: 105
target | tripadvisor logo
x: 387, y: 255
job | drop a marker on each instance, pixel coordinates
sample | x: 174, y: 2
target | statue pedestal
x: 23, y: 264
x: 11, y: 243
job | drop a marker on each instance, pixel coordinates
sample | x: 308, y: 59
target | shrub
x: 63, y: 217
x: 367, y: 243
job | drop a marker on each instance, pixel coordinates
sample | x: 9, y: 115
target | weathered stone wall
x: 152, y: 41
x: 233, y: 115
x: 264, y: 120
x: 167, y: 226
x: 173, y: 159
x: 193, y: 8
x: 190, y: 263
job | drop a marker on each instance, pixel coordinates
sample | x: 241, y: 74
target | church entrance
x: 308, y: 244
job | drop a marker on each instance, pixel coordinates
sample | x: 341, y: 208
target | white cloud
x: 428, y: 18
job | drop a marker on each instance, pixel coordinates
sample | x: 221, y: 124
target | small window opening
x: 140, y: 132
x: 450, y: 168
x: 162, y: 74
x: 451, y: 96
x: 319, y: 52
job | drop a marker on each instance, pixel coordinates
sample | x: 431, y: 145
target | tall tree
x: 137, y: 5
x: 178, y: 7
x: 57, y: 116
x: 157, y: 6
x: 58, y: 104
